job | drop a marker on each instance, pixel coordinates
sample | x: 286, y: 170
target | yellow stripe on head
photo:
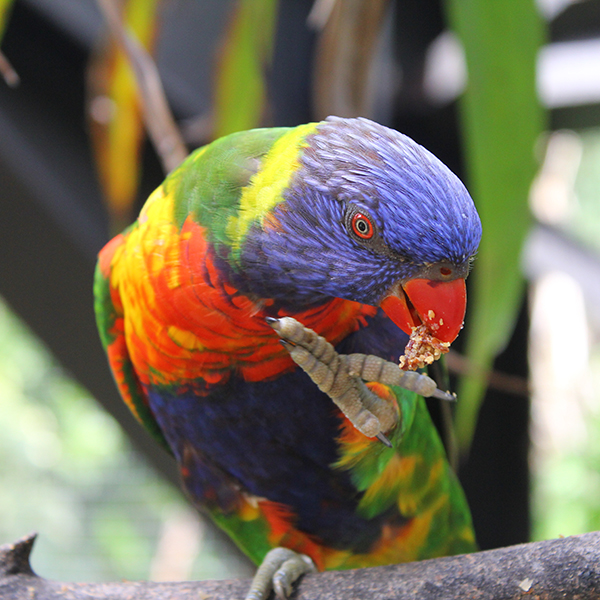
x: 266, y: 187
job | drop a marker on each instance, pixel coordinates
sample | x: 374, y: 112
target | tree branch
x: 509, y: 384
x: 562, y: 568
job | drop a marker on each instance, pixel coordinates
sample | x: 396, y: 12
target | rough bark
x: 562, y: 568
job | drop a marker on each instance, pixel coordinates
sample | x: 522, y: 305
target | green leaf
x: 240, y: 94
x: 501, y: 121
x: 5, y: 6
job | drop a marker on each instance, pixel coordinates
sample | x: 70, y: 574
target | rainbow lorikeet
x: 362, y: 236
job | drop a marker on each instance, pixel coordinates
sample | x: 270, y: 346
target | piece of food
x: 422, y: 349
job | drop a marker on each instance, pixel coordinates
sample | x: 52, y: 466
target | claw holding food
x: 342, y: 377
x: 329, y: 370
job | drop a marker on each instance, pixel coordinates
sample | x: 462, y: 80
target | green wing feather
x: 109, y: 319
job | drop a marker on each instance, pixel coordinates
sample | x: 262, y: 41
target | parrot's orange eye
x: 362, y: 226
x: 445, y: 271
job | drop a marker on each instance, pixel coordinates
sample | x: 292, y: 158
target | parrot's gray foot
x: 278, y: 571
x: 342, y: 377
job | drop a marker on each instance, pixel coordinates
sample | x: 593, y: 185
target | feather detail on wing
x: 109, y: 316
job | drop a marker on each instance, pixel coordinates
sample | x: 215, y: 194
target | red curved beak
x: 440, y: 305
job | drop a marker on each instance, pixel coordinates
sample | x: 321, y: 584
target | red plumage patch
x: 183, y: 322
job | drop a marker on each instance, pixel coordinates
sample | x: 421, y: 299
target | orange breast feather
x: 184, y: 323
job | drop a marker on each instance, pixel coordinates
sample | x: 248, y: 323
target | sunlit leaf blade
x: 501, y: 121
x: 117, y: 128
x: 5, y: 6
x: 240, y: 94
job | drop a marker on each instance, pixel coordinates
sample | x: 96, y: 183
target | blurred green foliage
x: 67, y: 471
x: 501, y: 122
x: 584, y: 222
x: 240, y: 91
x: 566, y: 489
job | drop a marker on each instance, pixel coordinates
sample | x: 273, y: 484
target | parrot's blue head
x: 369, y: 216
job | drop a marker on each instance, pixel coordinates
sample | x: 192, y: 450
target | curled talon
x: 383, y: 439
x: 318, y: 358
x: 364, y: 366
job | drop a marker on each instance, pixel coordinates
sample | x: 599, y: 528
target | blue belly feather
x: 275, y: 439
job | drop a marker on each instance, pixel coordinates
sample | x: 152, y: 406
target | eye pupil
x: 446, y: 271
x: 362, y: 226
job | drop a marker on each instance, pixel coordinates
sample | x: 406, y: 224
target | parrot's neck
x: 333, y: 318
